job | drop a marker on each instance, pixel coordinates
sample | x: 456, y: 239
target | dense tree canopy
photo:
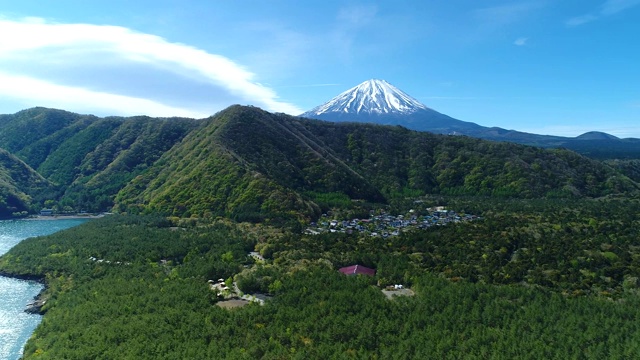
x: 530, y: 279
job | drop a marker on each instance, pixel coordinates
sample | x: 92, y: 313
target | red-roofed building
x: 357, y: 269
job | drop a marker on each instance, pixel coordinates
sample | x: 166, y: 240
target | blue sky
x: 542, y: 66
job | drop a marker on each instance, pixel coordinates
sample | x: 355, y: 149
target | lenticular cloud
x: 52, y: 54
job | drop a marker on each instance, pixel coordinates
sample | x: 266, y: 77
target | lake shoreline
x: 38, y: 301
x: 26, y: 294
x: 27, y: 277
x: 53, y: 217
x: 61, y: 217
x: 35, y: 306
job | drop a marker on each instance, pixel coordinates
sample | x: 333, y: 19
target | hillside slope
x: 24, y: 129
x: 239, y: 164
x: 18, y: 185
x: 89, y: 159
x: 396, y: 158
x: 248, y: 163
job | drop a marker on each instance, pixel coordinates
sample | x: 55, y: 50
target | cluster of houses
x: 103, y: 261
x: 220, y: 287
x: 232, y: 295
x: 385, y: 225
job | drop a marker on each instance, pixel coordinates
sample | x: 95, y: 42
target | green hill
x: 248, y: 163
x: 89, y: 159
x: 18, y: 185
x: 25, y: 129
x: 205, y: 176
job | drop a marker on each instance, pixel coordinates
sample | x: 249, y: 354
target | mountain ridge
x: 275, y: 163
x: 417, y: 116
x: 251, y: 165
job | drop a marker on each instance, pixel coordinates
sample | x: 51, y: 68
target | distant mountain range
x: 377, y: 101
x: 251, y: 165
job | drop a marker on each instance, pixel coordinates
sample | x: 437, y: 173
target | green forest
x: 530, y: 279
x: 243, y: 205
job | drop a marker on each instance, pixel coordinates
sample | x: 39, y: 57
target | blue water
x: 16, y: 326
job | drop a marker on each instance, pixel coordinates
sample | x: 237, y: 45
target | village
x: 385, y: 225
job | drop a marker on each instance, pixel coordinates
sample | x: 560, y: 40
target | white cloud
x: 507, y: 13
x: 67, y: 97
x: 358, y: 16
x: 47, y: 54
x: 608, y: 8
x: 309, y: 85
x: 350, y: 21
x: 521, y: 41
x: 611, y: 7
x: 582, y: 19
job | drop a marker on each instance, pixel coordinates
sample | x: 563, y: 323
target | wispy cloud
x: 608, y: 8
x: 308, y: 85
x: 582, y: 19
x: 611, y: 7
x: 493, y: 21
x: 281, y: 49
x: 44, y: 59
x: 507, y: 13
x: 453, y: 98
x: 358, y: 16
x: 350, y: 21
x: 521, y: 41
x: 79, y: 99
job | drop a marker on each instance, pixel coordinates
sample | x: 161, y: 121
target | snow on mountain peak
x: 372, y: 97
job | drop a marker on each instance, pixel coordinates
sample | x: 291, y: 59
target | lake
x: 16, y: 326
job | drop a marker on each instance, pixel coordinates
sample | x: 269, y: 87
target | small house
x: 357, y: 269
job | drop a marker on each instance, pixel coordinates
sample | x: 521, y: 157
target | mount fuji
x: 377, y: 101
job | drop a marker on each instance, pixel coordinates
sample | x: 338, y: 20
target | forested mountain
x: 26, y: 128
x: 248, y: 164
x: 630, y: 168
x: 18, y: 183
x: 88, y: 159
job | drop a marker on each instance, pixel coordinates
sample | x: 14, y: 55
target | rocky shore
x: 62, y: 217
x: 28, y: 277
x: 34, y: 307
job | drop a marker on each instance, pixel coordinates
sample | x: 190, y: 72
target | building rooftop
x: 357, y: 269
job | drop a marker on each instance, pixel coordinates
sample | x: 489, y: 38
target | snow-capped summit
x: 371, y: 97
x: 377, y: 101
